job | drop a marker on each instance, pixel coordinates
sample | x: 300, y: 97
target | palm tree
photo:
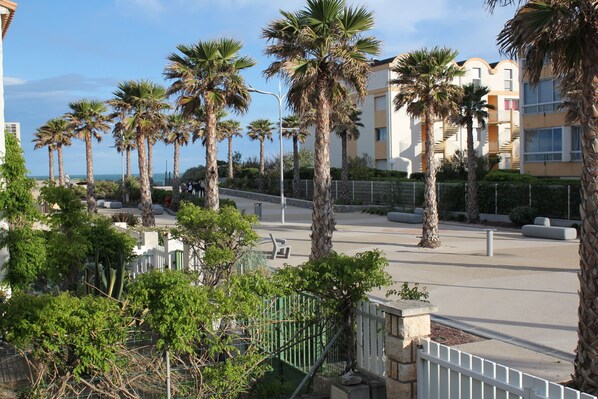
x: 472, y: 106
x: 124, y: 141
x: 565, y: 33
x: 207, y: 75
x: 177, y: 134
x: 318, y: 49
x: 43, y: 138
x: 261, y: 130
x: 229, y: 129
x: 295, y: 127
x: 346, y: 120
x: 424, y: 78
x: 143, y: 103
x: 88, y: 119
x: 151, y: 139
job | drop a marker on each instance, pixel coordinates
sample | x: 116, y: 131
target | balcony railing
x: 504, y: 116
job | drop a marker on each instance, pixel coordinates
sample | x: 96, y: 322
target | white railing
x: 151, y: 259
x: 370, y: 338
x: 444, y: 372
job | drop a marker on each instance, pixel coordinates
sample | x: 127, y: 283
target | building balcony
x: 504, y: 116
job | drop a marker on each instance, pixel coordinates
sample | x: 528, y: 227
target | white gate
x: 370, y: 338
x: 444, y: 372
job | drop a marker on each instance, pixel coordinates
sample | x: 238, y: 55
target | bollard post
x: 489, y: 242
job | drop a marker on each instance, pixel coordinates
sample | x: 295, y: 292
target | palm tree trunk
x: 473, y: 215
x: 128, y: 156
x: 296, y: 175
x: 345, y: 196
x: 51, y: 164
x: 262, y: 166
x: 230, y: 157
x: 212, y: 201
x: 586, y: 360
x: 323, y: 214
x: 91, y: 187
x: 176, y: 187
x: 60, y: 166
x: 150, y: 160
x: 147, y: 212
x: 430, y: 236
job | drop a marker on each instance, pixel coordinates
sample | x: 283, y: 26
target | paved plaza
x: 524, y: 297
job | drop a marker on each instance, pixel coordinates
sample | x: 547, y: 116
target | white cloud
x: 12, y: 81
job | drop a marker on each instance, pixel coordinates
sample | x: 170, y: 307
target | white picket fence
x: 151, y: 259
x: 370, y: 338
x: 447, y: 373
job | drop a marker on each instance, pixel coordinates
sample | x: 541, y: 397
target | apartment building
x: 395, y: 141
x: 549, y: 146
x: 13, y: 128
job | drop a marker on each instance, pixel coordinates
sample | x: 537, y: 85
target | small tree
x: 217, y: 238
x: 342, y: 282
x: 25, y: 245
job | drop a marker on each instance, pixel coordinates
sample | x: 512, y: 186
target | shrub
x: 523, y: 215
x: 417, y: 176
x: 125, y: 217
x: 79, y: 191
x: 159, y: 196
x: 107, y: 189
x: 196, y: 173
x: 509, y: 176
x: 410, y: 293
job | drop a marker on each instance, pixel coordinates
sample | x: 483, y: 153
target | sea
x: 158, y: 177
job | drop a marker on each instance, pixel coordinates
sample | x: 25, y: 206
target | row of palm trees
x: 322, y: 52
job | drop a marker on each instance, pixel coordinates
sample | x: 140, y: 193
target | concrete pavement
x: 524, y: 297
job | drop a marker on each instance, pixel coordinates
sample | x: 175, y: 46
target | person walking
x: 202, y: 188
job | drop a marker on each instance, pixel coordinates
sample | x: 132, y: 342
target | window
x: 511, y: 104
x: 543, y: 145
x: 477, y: 76
x: 509, y: 79
x: 576, y: 143
x: 380, y: 103
x: 381, y: 134
x: 544, y: 97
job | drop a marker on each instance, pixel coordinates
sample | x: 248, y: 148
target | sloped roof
x: 7, y: 18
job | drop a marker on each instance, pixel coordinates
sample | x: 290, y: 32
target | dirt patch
x: 450, y: 336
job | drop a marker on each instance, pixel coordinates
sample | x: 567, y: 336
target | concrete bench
x: 101, y: 203
x: 542, y: 229
x: 113, y: 204
x: 158, y: 209
x: 404, y: 217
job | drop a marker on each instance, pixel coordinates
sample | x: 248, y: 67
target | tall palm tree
x: 229, y: 129
x: 472, y: 106
x: 295, y: 127
x: 62, y: 134
x: 177, y: 135
x: 143, y: 103
x: 261, y: 130
x: 346, y: 121
x: 124, y: 141
x: 207, y: 75
x: 565, y: 32
x: 319, y: 49
x: 424, y: 78
x: 151, y: 139
x: 89, y: 119
x: 43, y: 138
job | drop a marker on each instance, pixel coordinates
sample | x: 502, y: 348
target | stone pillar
x: 407, y: 322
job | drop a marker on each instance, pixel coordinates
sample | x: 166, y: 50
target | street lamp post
x: 279, y: 98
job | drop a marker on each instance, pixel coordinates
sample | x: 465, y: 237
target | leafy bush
x: 196, y: 173
x: 509, y: 176
x: 523, y: 215
x: 413, y: 293
x: 107, y: 189
x: 133, y: 188
x: 201, y: 201
x: 125, y: 217
x: 159, y: 195
x: 79, y: 191
x: 417, y: 176
x: 251, y: 173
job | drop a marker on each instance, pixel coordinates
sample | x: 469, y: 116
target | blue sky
x: 60, y: 51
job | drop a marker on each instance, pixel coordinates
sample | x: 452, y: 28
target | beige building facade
x: 394, y: 140
x: 549, y: 146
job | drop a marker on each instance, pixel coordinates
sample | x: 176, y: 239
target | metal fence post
x: 529, y: 189
x: 568, y: 202
x: 414, y: 194
x: 353, y: 189
x: 306, y: 189
x: 496, y: 199
x: 371, y: 192
x: 336, y: 189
